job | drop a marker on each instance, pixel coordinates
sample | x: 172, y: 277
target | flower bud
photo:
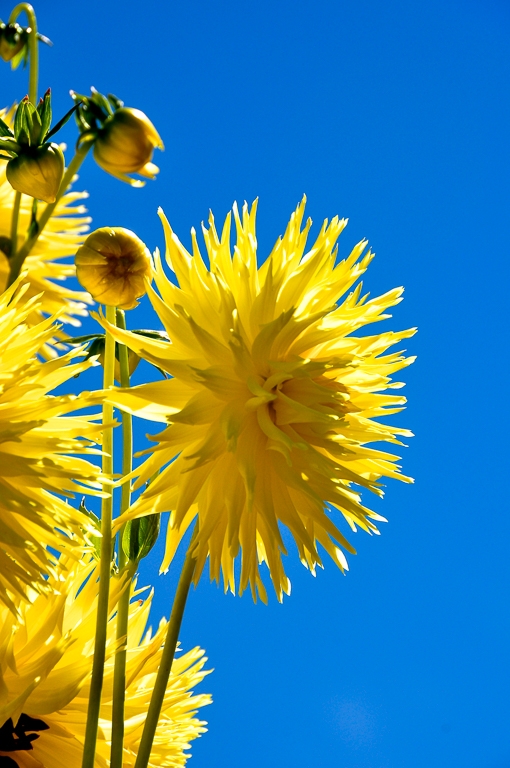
x: 112, y: 265
x: 13, y: 39
x: 37, y: 172
x: 125, y: 145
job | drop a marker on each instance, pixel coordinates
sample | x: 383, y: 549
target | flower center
x: 15, y: 738
x: 119, y: 266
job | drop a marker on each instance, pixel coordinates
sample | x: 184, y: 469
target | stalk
x: 119, y: 673
x: 33, y: 79
x: 14, y: 222
x: 96, y: 683
x: 174, y: 626
x: 32, y: 47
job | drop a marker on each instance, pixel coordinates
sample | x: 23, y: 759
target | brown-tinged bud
x: 37, y: 172
x: 112, y: 265
x: 125, y: 144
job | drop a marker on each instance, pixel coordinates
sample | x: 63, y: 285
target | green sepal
x: 114, y: 101
x: 44, y: 112
x: 139, y: 537
x: 35, y: 124
x: 21, y: 57
x: 23, y: 122
x: 5, y: 130
x: 8, y: 144
x: 101, y: 101
x: 61, y: 122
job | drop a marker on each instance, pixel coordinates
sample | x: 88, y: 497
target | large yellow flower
x: 38, y: 440
x: 61, y: 237
x: 273, y: 400
x: 45, y: 664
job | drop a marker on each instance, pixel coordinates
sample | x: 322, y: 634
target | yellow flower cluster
x: 273, y: 399
x: 45, y: 663
x: 38, y: 441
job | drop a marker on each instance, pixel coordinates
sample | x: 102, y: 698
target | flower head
x: 39, y: 440
x: 112, y: 264
x: 125, y: 145
x: 45, y: 678
x: 273, y: 399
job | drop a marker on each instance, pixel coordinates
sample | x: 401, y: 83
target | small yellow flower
x: 38, y: 172
x: 125, y: 145
x: 273, y: 401
x: 45, y: 678
x: 112, y: 265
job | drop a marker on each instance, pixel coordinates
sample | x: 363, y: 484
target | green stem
x: 119, y: 673
x: 96, y: 682
x: 32, y: 95
x: 167, y: 657
x: 33, y: 47
x: 14, y: 222
x: 18, y: 259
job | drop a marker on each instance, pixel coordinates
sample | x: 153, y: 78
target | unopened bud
x: 125, y: 145
x: 13, y: 39
x: 112, y: 265
x: 37, y: 172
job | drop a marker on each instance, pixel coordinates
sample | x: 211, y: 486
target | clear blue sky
x: 395, y: 115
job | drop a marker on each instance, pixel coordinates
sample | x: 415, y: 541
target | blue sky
x: 395, y: 115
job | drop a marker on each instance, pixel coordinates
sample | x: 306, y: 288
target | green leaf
x: 140, y: 535
x: 83, y: 339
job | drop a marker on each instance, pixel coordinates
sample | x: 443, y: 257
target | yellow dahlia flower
x: 38, y: 440
x: 62, y: 236
x: 45, y: 665
x: 273, y: 401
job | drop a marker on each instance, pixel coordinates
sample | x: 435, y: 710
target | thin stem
x: 96, y: 682
x: 18, y: 259
x: 119, y: 673
x: 14, y: 222
x: 167, y: 657
x: 33, y: 47
x: 32, y: 95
